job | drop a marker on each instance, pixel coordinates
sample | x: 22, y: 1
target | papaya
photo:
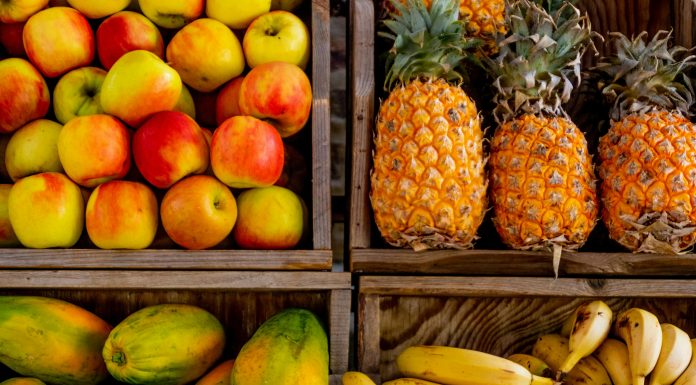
x: 23, y: 381
x: 166, y: 344
x: 52, y: 340
x: 218, y: 376
x: 290, y: 348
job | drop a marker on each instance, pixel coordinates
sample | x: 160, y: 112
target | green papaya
x: 290, y: 348
x: 23, y: 381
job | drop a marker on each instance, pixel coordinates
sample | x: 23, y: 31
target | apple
x: 185, y: 103
x: 122, y: 215
x: 24, y: 94
x: 277, y: 36
x: 8, y: 238
x: 33, y: 149
x: 172, y: 13
x: 227, y: 103
x: 287, y: 103
x: 138, y: 85
x: 285, y: 5
x: 11, y: 38
x: 198, y: 212
x: 236, y: 14
x: 124, y: 32
x: 94, y: 149
x: 58, y: 40
x: 246, y: 152
x: 169, y: 146
x: 77, y: 93
x: 206, y: 54
x: 15, y: 11
x: 96, y: 9
x: 269, y: 218
x: 46, y: 210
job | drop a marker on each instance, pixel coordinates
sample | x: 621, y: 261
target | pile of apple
x: 89, y: 87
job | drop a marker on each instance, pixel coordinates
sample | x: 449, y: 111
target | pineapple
x: 543, y: 187
x: 648, y: 156
x: 428, y: 185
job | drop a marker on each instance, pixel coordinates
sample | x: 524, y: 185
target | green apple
x: 185, y: 103
x: 46, y: 210
x: 33, y: 149
x: 96, y: 9
x: 236, y: 14
x: 277, y: 36
x: 285, y: 5
x: 77, y: 93
x: 8, y: 238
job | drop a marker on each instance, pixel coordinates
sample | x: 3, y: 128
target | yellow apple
x: 77, y: 93
x: 235, y: 13
x: 15, y: 11
x: 172, y: 13
x: 46, y: 210
x: 96, y: 9
x: 277, y: 36
x: 33, y: 149
x: 185, y: 103
x: 285, y: 5
x: 8, y: 238
x: 269, y: 218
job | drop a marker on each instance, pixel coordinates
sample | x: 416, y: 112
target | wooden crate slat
x: 339, y: 325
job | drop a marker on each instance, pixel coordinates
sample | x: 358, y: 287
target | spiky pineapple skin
x: 543, y: 187
x: 648, y: 172
x: 428, y: 180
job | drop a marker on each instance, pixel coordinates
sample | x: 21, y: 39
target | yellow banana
x: 675, y: 355
x: 356, y: 378
x: 553, y: 349
x: 689, y: 375
x: 409, y: 381
x: 590, y: 329
x: 641, y: 332
x: 454, y: 366
x: 568, y: 324
x: 613, y: 354
x: 535, y: 366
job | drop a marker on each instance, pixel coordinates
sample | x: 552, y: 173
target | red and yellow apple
x: 169, y: 146
x: 124, y: 32
x: 46, y: 210
x: 269, y: 218
x: 94, y: 149
x: 277, y: 36
x: 172, y: 13
x: 206, y: 54
x: 185, y: 103
x: 246, y: 152
x: 287, y: 103
x: 24, y: 94
x: 11, y: 38
x: 77, y: 93
x: 139, y: 85
x: 285, y: 5
x: 96, y: 9
x: 7, y: 235
x: 122, y: 215
x: 58, y: 40
x: 236, y: 14
x: 198, y: 212
x: 33, y: 149
x: 15, y: 11
x: 227, y: 104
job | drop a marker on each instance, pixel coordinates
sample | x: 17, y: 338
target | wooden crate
x: 240, y: 300
x: 312, y: 254
x: 600, y: 256
x: 497, y: 315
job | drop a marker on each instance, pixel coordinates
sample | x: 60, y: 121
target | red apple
x: 94, y: 149
x: 58, y: 40
x: 198, y: 212
x: 124, y: 32
x: 286, y: 103
x: 169, y: 146
x: 246, y: 152
x: 227, y: 104
x: 11, y: 38
x: 23, y: 94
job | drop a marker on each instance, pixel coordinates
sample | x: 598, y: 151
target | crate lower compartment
x: 496, y: 315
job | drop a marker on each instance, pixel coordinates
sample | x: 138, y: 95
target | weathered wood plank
x: 368, y: 333
x: 339, y: 325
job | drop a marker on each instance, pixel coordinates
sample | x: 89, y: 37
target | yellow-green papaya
x: 290, y: 348
x: 52, y: 340
x: 23, y: 381
x: 218, y: 376
x: 164, y: 345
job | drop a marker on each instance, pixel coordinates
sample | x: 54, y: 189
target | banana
x: 454, y: 366
x: 675, y: 355
x: 590, y: 329
x: 613, y: 354
x: 641, y: 332
x: 553, y: 349
x: 356, y: 378
x: 689, y: 375
x: 409, y: 381
x: 568, y: 324
x: 535, y: 366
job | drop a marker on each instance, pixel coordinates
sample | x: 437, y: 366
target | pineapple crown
x: 427, y: 43
x: 539, y: 59
x: 638, y: 77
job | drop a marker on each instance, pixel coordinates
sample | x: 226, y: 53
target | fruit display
x: 101, y: 121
